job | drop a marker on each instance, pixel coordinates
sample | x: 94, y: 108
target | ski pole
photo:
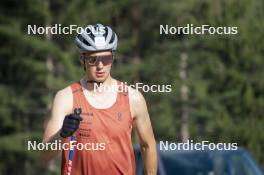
x: 77, y: 111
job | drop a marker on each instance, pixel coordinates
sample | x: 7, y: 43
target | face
x: 98, y: 65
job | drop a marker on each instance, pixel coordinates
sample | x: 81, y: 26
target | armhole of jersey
x: 124, y: 88
x: 75, y: 87
x: 128, y: 101
x: 125, y: 91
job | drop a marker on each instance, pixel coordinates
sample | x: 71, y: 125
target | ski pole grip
x: 77, y: 111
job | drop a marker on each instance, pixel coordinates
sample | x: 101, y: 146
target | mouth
x: 99, y: 74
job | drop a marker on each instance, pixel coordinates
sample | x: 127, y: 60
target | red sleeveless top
x: 105, y: 135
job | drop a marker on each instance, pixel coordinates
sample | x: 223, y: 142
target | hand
x: 71, y: 123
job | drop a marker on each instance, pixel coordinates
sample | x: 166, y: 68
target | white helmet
x: 96, y: 38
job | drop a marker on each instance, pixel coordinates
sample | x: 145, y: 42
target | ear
x: 81, y: 60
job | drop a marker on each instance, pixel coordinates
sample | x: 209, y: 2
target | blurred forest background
x: 217, y: 80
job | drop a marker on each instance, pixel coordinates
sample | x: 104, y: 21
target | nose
x: 100, y: 64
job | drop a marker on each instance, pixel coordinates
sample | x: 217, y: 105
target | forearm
x: 149, y: 155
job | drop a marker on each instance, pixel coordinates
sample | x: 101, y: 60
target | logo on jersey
x: 88, y: 118
x: 119, y: 116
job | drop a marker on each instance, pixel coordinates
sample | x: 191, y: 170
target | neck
x: 94, y: 86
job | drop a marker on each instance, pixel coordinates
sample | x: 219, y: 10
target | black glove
x: 71, y: 123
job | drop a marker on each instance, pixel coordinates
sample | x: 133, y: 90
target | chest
x: 105, y: 124
x: 101, y: 100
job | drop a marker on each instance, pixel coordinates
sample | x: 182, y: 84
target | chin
x: 100, y: 79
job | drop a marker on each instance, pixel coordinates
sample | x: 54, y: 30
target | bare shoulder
x: 63, y: 100
x: 135, y: 95
x: 136, y: 100
x: 65, y: 93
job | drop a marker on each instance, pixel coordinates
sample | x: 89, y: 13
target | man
x: 105, y: 123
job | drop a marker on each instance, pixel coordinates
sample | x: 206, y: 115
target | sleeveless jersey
x: 105, y: 135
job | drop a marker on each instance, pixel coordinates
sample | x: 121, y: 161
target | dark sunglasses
x: 93, y: 60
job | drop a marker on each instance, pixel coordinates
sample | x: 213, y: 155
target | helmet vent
x: 81, y: 38
x: 112, y: 39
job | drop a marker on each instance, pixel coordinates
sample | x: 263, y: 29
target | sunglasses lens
x: 107, y: 59
x: 92, y: 60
